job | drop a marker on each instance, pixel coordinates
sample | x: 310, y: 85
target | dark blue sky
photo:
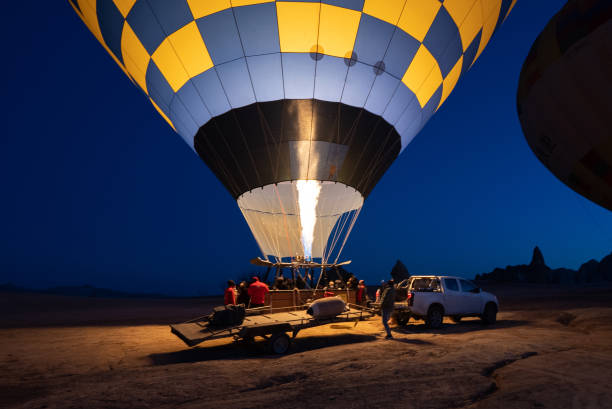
x: 97, y: 189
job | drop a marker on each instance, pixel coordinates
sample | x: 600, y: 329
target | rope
x: 344, y: 218
x: 336, y: 229
x: 318, y: 281
x: 347, y: 234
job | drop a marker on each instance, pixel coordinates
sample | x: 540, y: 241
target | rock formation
x: 538, y: 272
x: 538, y: 258
x: 593, y: 272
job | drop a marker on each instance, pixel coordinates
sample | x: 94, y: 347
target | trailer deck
x: 270, y: 325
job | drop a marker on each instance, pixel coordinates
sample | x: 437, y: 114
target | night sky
x: 97, y: 189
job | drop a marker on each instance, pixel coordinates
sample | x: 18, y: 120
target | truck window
x: 425, y: 284
x: 451, y: 284
x: 467, y: 286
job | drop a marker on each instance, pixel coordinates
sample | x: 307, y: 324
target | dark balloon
x: 564, y: 98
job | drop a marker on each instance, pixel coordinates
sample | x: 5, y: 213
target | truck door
x: 452, y: 296
x: 471, y: 299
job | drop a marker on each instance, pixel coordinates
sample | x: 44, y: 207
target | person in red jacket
x: 257, y: 292
x: 229, y: 298
x: 362, y: 293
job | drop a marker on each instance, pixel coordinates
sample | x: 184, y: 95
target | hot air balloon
x: 563, y: 98
x: 298, y: 107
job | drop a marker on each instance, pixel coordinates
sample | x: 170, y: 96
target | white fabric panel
x: 272, y: 213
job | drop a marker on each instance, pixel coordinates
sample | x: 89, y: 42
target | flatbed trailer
x: 270, y: 325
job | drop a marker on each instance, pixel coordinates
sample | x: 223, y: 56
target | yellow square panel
x: 298, y: 26
x: 451, y: 80
x: 338, y: 30
x: 182, y: 55
x: 417, y: 17
x: 124, y: 6
x: 490, y: 9
x: 431, y: 84
x: 135, y: 56
x: 191, y: 50
x: 458, y: 9
x: 490, y: 6
x: 170, y: 66
x: 419, y: 68
x: 423, y: 76
x: 237, y: 3
x: 162, y: 114
x: 471, y: 25
x: 386, y: 10
x: 201, y: 8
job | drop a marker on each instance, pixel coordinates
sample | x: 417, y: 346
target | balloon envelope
x: 564, y: 95
x: 271, y: 93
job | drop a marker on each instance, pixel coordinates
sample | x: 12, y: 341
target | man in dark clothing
x: 257, y: 292
x: 243, y: 294
x: 279, y: 283
x: 387, y: 300
x: 300, y: 283
x: 351, y: 284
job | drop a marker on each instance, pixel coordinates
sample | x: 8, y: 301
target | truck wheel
x: 456, y: 318
x: 489, y: 316
x: 279, y: 343
x: 435, y: 315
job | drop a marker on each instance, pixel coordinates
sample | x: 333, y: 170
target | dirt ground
x: 551, y: 348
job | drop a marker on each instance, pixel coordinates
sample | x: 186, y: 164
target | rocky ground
x: 551, y: 348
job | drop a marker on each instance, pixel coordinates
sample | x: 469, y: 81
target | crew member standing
x: 362, y: 293
x: 257, y: 292
x: 387, y: 301
x: 379, y: 290
x: 243, y: 294
x: 229, y: 297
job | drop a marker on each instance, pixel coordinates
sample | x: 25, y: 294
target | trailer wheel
x: 279, y: 343
x: 402, y: 318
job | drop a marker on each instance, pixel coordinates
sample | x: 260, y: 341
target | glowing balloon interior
x: 308, y: 198
x: 298, y: 107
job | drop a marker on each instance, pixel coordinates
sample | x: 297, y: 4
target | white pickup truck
x: 430, y: 298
